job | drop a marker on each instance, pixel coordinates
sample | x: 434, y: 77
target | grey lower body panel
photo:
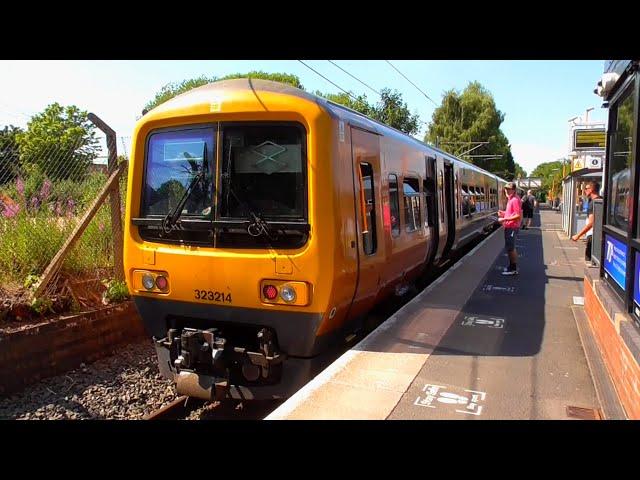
x: 296, y: 331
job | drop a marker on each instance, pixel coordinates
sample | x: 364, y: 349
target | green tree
x: 60, y: 142
x: 472, y: 116
x: 551, y: 175
x: 174, y: 89
x: 390, y: 109
x: 359, y: 103
x: 393, y: 111
x: 520, y: 172
x: 9, y: 153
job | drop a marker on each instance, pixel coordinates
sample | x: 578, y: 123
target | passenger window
x: 411, y: 188
x: 466, y: 202
x: 368, y: 209
x: 394, y: 203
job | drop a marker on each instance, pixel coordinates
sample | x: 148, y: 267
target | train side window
x: 368, y: 209
x: 466, y: 200
x: 394, y: 203
x: 411, y: 189
x: 473, y: 198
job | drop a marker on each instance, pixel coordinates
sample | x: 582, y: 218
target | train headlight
x: 288, y: 294
x: 148, y: 281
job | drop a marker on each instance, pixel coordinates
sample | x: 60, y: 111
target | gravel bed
x: 126, y: 385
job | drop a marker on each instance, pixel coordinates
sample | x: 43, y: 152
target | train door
x: 442, y: 209
x: 365, y: 148
x: 449, y: 206
x: 431, y: 205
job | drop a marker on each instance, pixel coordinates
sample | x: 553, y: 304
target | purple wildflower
x: 58, y: 209
x: 35, y: 202
x: 46, y: 190
x: 101, y: 227
x: 71, y: 205
x: 9, y: 210
x: 20, y: 187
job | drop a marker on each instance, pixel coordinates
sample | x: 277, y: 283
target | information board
x: 615, y: 260
x: 589, y: 139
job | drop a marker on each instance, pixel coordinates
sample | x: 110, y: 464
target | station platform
x: 477, y: 345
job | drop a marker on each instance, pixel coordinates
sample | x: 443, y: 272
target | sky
x: 537, y: 97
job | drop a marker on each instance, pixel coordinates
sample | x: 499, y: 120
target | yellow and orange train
x: 263, y: 223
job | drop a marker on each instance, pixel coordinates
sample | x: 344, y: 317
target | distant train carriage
x: 263, y: 223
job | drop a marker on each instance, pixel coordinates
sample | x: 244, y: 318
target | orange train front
x: 263, y: 223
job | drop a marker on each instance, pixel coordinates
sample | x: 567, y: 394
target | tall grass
x: 37, y: 217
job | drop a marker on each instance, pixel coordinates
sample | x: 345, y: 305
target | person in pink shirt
x: 510, y: 219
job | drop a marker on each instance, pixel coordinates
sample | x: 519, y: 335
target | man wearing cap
x: 510, y: 219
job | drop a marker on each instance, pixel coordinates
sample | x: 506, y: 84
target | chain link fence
x: 44, y: 193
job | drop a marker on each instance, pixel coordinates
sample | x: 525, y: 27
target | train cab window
x: 411, y: 188
x: 174, y: 160
x: 263, y: 173
x: 394, y: 203
x: 620, y: 158
x: 178, y: 183
x: 368, y: 209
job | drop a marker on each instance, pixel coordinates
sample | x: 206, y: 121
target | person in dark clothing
x: 591, y: 189
x: 528, y: 206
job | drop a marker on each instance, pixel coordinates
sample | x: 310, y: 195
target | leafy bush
x: 117, y: 291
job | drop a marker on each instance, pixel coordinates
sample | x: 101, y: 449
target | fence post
x: 114, y: 199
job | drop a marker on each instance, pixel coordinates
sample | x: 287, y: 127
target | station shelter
x: 575, y: 202
x: 612, y: 290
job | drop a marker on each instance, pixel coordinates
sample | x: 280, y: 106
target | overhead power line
x: 405, y: 77
x: 332, y: 83
x: 356, y: 78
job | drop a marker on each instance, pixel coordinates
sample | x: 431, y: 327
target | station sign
x: 593, y: 162
x: 615, y: 260
x: 589, y: 138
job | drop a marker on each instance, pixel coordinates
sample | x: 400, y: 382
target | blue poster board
x: 636, y: 287
x: 615, y: 260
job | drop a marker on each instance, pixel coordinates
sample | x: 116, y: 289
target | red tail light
x: 162, y: 283
x: 270, y: 292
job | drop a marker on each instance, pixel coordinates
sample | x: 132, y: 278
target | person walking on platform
x: 591, y: 189
x: 510, y: 219
x: 528, y: 206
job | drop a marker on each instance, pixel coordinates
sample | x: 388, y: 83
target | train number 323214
x: 212, y: 296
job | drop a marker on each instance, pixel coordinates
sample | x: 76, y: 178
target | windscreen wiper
x: 169, y: 221
x: 257, y: 226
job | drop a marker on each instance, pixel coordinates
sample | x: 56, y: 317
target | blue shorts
x: 510, y: 235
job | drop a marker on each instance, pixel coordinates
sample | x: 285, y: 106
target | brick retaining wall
x: 52, y: 348
x: 621, y: 364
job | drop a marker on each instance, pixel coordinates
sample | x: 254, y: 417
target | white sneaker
x: 509, y: 272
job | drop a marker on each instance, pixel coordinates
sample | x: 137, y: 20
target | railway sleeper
x: 205, y: 364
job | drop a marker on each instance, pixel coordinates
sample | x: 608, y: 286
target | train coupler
x: 204, y: 364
